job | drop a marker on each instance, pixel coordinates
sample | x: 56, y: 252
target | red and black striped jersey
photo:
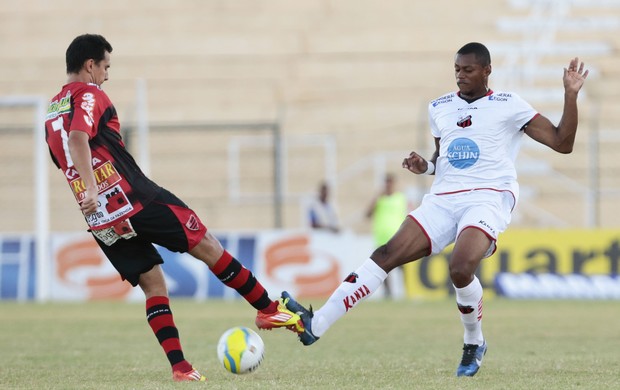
x: 123, y: 188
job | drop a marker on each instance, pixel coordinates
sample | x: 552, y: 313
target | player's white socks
x: 469, y: 301
x: 355, y: 288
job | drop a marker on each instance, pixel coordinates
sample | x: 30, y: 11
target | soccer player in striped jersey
x: 127, y: 212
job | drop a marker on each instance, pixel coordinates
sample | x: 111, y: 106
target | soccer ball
x: 240, y: 350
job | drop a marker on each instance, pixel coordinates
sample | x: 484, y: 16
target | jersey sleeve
x: 523, y: 111
x: 87, y: 110
x: 431, y: 121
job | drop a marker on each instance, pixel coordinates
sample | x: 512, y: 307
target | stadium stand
x: 356, y: 74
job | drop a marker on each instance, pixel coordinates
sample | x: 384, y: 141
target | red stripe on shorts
x: 193, y: 227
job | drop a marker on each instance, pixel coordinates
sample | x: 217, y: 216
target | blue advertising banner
x: 528, y: 264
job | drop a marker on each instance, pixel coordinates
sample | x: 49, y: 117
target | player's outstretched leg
x: 472, y: 359
x: 281, y: 318
x: 271, y: 314
x: 305, y: 335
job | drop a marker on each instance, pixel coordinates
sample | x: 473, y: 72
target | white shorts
x: 443, y: 217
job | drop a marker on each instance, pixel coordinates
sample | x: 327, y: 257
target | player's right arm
x: 417, y: 164
x: 79, y: 149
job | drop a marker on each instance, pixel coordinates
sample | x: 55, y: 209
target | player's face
x: 471, y: 77
x: 99, y: 72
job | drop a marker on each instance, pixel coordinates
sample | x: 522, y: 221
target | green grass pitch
x: 379, y: 345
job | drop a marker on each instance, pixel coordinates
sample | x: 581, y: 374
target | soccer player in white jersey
x: 477, y: 133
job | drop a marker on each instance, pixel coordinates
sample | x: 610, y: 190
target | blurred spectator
x: 387, y: 211
x: 322, y: 213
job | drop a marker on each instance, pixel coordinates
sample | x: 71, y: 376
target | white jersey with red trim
x: 479, y: 141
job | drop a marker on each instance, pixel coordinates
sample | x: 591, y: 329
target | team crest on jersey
x: 464, y: 122
x: 463, y: 153
x: 192, y: 224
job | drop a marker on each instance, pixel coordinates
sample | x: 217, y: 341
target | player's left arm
x: 561, y: 138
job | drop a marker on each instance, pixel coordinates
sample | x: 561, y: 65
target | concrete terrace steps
x: 358, y: 71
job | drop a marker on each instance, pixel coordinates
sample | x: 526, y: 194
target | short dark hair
x: 479, y: 50
x: 86, y: 47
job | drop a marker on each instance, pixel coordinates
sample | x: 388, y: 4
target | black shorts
x: 165, y: 221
